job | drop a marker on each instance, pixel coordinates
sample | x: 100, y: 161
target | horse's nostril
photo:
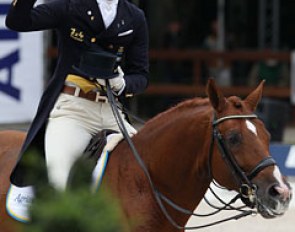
x: 281, y: 192
x: 273, y: 191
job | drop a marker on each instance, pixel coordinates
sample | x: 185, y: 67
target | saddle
x: 81, y: 173
x: 97, y: 143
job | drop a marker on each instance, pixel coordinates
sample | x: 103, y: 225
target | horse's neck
x: 177, y: 156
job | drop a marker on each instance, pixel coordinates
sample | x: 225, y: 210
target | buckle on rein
x: 249, y: 192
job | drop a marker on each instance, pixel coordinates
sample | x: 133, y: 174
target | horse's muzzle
x: 275, y: 201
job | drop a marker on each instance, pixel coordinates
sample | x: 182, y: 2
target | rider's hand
x: 117, y: 83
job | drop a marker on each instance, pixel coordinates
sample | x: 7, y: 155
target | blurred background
x: 236, y: 42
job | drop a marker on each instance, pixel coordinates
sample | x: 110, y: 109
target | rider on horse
x: 94, y: 36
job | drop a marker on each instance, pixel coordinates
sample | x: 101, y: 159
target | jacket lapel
x: 89, y: 11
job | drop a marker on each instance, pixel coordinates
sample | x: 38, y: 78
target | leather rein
x: 247, y: 188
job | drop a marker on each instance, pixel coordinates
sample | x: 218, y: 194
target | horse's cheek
x: 221, y: 172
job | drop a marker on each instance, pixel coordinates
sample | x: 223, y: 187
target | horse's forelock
x: 238, y: 104
x: 236, y: 101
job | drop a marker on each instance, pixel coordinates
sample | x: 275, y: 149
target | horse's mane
x: 194, y: 104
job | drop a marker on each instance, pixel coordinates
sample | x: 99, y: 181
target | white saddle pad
x: 97, y: 174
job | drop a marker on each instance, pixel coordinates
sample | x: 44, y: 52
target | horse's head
x: 241, y: 158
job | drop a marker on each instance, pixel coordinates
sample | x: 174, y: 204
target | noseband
x: 246, y: 188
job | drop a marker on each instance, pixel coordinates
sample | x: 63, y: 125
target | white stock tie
x: 108, y: 9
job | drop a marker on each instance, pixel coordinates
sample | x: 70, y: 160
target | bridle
x: 247, y: 189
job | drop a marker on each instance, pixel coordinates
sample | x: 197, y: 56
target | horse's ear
x: 215, y: 95
x: 254, y: 97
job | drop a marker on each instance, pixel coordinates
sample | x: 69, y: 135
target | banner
x: 284, y: 154
x: 21, y: 71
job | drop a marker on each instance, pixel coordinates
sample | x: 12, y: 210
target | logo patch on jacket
x: 77, y: 35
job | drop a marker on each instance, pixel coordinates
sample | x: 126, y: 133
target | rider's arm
x: 23, y: 16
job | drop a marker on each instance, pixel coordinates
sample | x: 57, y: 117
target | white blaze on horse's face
x: 282, y: 188
x: 251, y: 127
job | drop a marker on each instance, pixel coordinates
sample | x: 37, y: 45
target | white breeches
x: 71, y: 124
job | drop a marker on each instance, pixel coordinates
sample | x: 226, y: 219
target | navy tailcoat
x: 79, y: 27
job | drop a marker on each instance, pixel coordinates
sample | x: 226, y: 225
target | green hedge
x: 75, y: 211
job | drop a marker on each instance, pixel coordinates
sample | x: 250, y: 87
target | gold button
x: 92, y: 18
x: 93, y: 40
x: 111, y: 46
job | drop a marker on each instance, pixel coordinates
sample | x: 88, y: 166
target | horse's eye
x: 234, y: 139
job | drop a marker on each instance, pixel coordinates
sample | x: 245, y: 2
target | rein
x: 160, y: 198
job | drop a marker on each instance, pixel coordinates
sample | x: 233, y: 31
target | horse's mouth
x: 272, y: 208
x: 268, y: 213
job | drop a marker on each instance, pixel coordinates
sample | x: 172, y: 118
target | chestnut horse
x: 180, y: 152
